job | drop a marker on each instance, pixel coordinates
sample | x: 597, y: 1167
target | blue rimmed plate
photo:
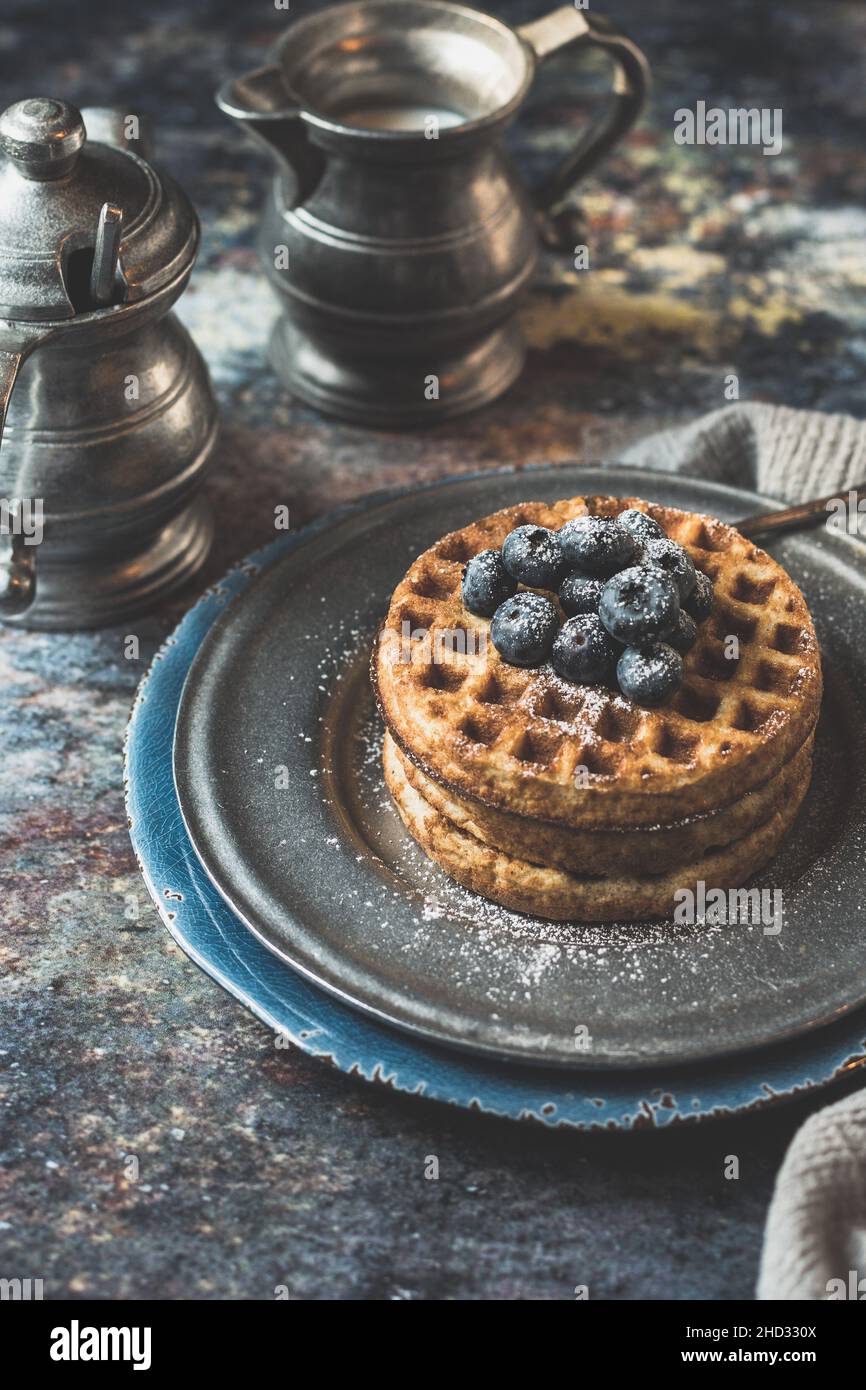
x: 212, y: 934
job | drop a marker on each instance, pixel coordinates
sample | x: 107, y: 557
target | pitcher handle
x: 569, y: 26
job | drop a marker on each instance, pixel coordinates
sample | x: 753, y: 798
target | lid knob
x: 42, y: 136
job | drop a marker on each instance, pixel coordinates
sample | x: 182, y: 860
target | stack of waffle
x: 570, y: 801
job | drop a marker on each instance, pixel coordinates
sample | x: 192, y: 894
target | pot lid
x: 83, y: 225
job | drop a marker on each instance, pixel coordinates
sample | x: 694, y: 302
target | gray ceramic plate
x: 277, y: 770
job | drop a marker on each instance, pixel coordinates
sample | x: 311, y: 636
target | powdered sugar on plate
x: 541, y: 946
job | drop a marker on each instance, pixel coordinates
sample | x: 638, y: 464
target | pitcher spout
x: 261, y: 105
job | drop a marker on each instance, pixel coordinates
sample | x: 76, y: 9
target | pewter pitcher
x: 398, y: 236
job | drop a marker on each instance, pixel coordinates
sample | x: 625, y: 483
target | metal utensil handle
x: 569, y: 26
x: 797, y: 517
x: 17, y: 561
x: 105, y: 254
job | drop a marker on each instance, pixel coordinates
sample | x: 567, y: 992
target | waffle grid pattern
x: 493, y: 730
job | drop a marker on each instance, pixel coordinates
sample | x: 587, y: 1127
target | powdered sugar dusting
x: 523, y: 984
x: 542, y: 947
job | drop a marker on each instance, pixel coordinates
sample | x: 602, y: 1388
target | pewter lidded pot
x: 107, y: 417
x: 398, y: 234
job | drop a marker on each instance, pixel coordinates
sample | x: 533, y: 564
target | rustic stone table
x: 261, y: 1167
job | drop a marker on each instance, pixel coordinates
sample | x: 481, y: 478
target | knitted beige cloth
x: 790, y: 454
x: 815, y: 1240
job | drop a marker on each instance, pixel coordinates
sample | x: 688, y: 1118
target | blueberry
x: 533, y: 555
x: 583, y: 651
x: 649, y: 675
x: 523, y: 629
x: 580, y: 593
x: 486, y: 583
x: 639, y: 605
x: 684, y: 635
x: 700, y: 601
x: 597, y: 545
x: 675, y: 560
x: 641, y: 526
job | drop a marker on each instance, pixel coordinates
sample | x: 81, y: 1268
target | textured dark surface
x: 258, y: 1167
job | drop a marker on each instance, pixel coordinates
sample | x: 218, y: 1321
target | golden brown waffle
x: 650, y: 850
x: 533, y: 745
x: 562, y: 896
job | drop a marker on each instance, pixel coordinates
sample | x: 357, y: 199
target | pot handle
x: 17, y: 558
x: 569, y: 26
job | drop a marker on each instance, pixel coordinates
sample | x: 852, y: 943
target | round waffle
x: 643, y: 851
x: 554, y: 893
x: 533, y: 745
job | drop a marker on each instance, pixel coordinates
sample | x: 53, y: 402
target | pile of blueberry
x: 632, y: 596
